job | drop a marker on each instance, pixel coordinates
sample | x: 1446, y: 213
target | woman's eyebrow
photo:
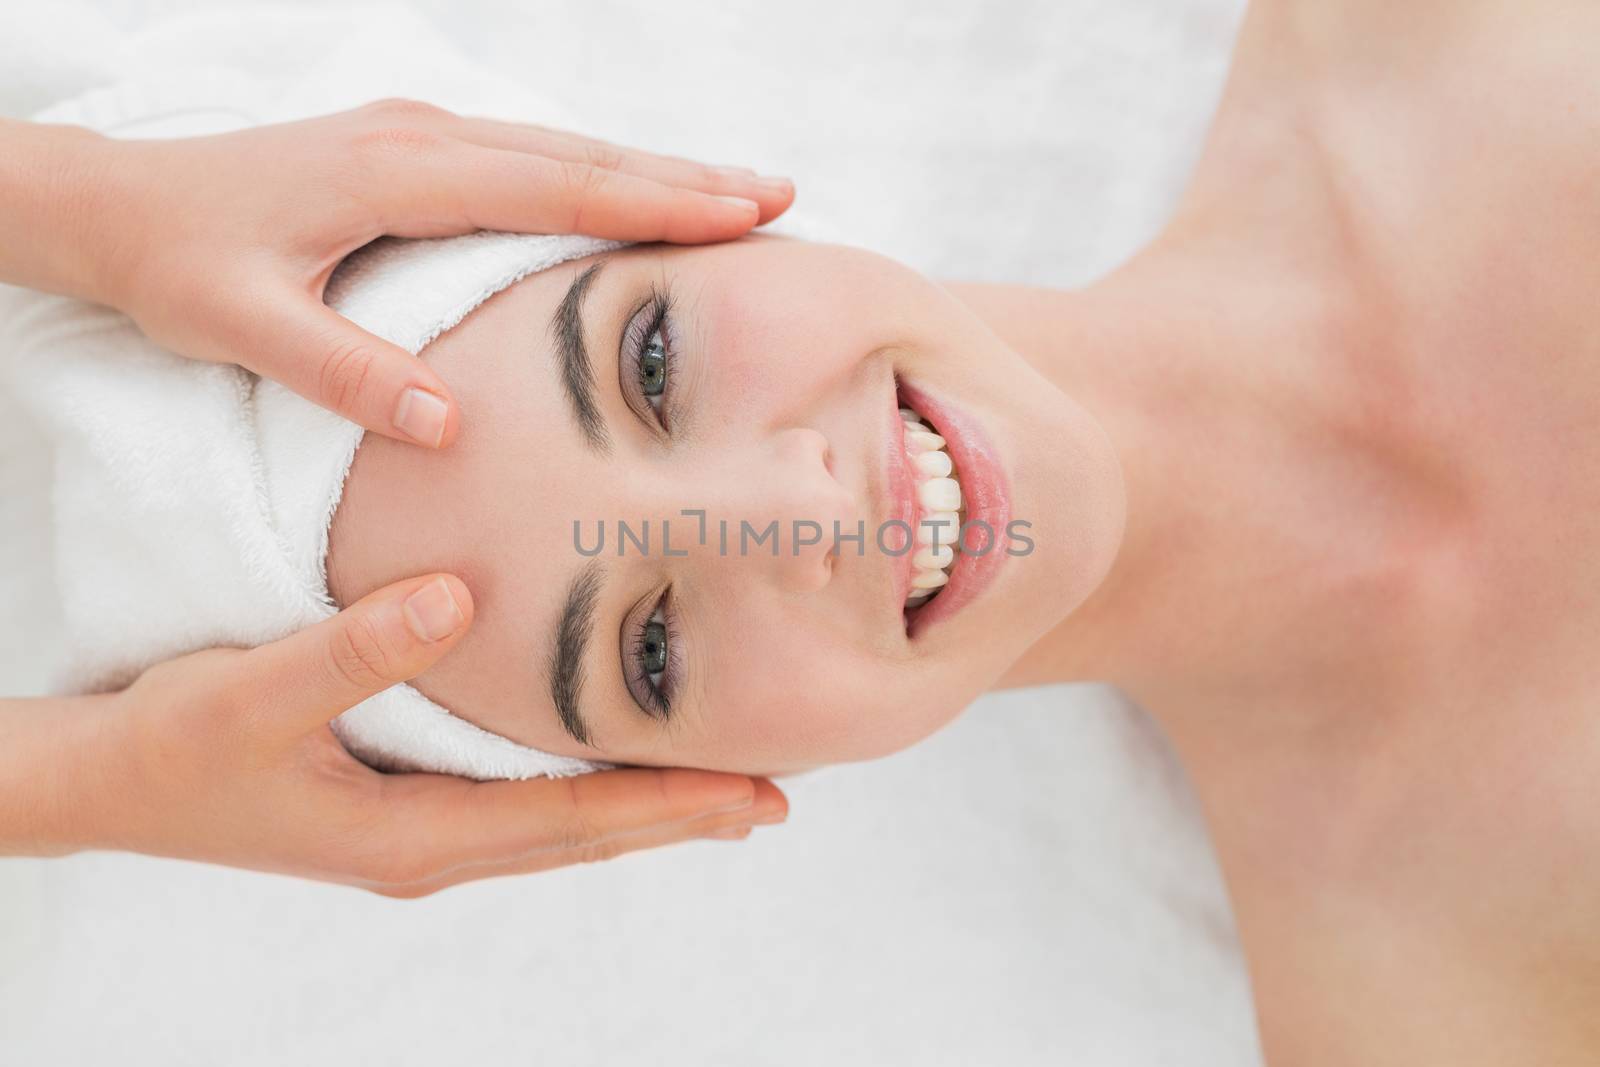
x: 577, y: 369
x: 570, y: 644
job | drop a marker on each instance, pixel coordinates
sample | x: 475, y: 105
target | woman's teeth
x: 939, y: 493
x: 935, y: 464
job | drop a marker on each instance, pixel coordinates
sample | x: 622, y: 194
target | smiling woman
x: 767, y: 408
x: 1313, y: 477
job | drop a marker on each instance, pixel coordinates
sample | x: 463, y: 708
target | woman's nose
x: 784, y: 507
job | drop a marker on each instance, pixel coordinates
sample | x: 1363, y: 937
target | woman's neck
x: 1233, y: 363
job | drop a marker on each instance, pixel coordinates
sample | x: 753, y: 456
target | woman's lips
x: 986, y: 500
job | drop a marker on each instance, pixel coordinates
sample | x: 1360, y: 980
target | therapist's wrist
x: 55, y: 207
x: 55, y: 792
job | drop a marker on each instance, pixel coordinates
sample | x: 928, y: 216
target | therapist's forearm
x: 48, y: 778
x: 52, y: 192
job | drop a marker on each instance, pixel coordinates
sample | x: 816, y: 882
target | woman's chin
x: 1070, y: 506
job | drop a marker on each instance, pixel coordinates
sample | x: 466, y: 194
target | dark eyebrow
x: 571, y: 641
x: 577, y: 370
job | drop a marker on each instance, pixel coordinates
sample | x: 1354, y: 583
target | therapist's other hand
x: 226, y: 756
x: 219, y: 247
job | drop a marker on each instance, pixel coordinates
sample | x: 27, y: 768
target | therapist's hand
x: 219, y: 247
x: 226, y: 756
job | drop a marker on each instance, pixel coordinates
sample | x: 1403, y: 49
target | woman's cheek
x: 778, y: 717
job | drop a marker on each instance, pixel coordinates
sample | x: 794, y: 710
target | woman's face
x: 703, y: 395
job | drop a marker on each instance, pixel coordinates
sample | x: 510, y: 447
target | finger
x: 450, y: 186
x: 725, y: 826
x: 446, y: 824
x: 332, y: 362
x: 773, y: 194
x: 384, y: 638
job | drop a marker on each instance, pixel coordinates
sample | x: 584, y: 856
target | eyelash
x: 656, y: 698
x: 653, y: 316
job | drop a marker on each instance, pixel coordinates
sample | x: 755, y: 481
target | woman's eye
x: 644, y: 359
x: 653, y: 368
x: 652, y: 669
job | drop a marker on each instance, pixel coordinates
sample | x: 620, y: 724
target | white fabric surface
x: 1031, y: 886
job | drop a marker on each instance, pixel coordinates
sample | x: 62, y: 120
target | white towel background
x: 1032, y: 886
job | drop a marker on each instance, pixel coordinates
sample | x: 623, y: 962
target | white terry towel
x: 191, y: 501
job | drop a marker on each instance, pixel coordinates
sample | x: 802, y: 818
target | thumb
x: 385, y: 638
x: 334, y: 363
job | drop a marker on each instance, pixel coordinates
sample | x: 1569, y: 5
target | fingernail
x: 770, y: 818
x: 431, y: 612
x: 749, y: 207
x: 732, y: 833
x: 734, y: 172
x: 420, y: 416
x: 779, y: 185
